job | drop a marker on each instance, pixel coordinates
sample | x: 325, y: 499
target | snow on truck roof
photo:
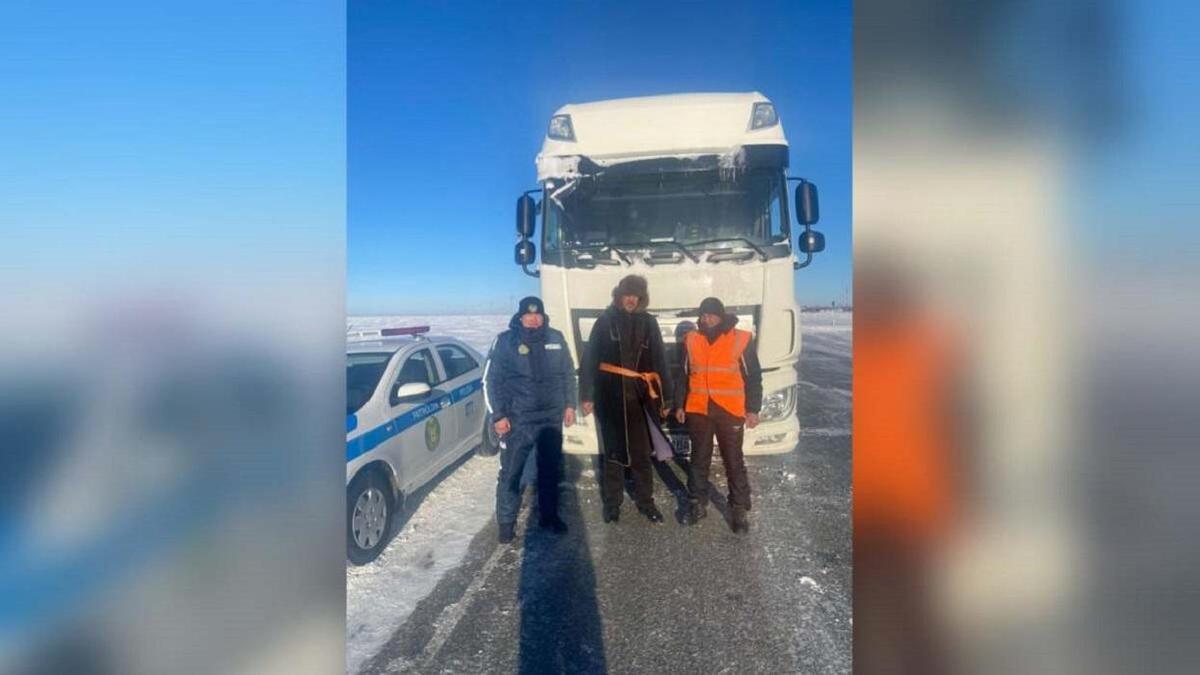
x: 676, y: 125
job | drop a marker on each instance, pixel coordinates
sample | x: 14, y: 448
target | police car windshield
x: 701, y: 210
x: 362, y: 376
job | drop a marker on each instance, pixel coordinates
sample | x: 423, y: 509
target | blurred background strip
x: 172, y: 202
x: 1025, y: 346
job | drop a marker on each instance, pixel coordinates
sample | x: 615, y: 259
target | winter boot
x: 740, y: 524
x: 507, y: 532
x: 651, y: 512
x: 612, y: 513
x: 696, y: 512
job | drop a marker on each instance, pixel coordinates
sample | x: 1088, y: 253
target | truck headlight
x: 778, y: 405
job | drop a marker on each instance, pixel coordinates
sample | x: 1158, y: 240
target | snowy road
x: 630, y: 597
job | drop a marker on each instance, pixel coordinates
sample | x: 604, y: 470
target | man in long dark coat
x: 624, y: 378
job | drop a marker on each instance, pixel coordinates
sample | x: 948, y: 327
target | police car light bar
x: 410, y: 330
x: 388, y: 332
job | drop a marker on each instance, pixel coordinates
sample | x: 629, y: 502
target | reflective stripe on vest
x: 714, y: 372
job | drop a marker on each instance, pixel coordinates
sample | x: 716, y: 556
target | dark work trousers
x: 543, y: 440
x: 729, y: 430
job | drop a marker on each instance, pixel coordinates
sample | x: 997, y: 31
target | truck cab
x: 691, y: 192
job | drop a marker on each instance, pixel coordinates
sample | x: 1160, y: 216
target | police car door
x: 422, y: 422
x: 465, y: 384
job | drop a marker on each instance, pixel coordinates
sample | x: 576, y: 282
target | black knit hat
x: 712, y: 306
x: 531, y: 305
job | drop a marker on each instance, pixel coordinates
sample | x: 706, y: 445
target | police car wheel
x: 489, y: 442
x: 368, y: 518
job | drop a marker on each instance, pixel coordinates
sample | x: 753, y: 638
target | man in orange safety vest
x: 722, y: 391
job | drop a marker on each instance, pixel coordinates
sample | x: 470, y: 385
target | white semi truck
x: 689, y: 191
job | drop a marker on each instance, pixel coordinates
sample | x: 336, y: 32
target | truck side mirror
x: 526, y: 214
x: 811, y: 241
x: 524, y: 252
x: 807, y: 210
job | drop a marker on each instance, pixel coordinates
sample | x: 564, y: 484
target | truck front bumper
x: 769, y: 438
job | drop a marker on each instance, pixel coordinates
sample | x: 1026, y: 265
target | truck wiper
x: 589, y: 259
x: 624, y: 256
x: 586, y: 249
x: 658, y: 258
x: 762, y: 254
x: 681, y: 247
x: 728, y: 254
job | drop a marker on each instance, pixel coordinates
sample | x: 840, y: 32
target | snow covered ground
x: 381, y: 596
x: 477, y: 331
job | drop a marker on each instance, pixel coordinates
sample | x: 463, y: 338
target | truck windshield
x: 702, y: 211
x: 363, y: 371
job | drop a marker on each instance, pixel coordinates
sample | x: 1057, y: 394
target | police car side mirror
x: 412, y: 391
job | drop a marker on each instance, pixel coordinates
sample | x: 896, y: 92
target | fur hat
x: 633, y: 285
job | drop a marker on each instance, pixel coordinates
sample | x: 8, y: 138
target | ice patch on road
x: 380, y: 596
x: 809, y: 581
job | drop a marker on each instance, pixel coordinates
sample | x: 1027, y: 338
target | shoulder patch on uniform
x: 522, y: 349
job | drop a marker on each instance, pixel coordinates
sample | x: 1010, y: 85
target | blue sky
x: 447, y: 106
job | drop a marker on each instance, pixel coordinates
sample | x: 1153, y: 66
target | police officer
x: 722, y: 394
x: 530, y: 391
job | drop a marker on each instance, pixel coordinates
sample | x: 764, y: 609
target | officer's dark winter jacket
x: 529, y: 376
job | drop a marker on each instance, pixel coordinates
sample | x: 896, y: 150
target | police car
x: 414, y: 405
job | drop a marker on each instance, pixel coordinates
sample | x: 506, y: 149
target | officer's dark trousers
x: 544, y: 441
x: 729, y: 430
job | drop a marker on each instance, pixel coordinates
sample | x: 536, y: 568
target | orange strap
x: 652, y: 380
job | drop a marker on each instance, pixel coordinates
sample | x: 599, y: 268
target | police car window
x: 456, y: 361
x: 417, y: 367
x: 362, y: 375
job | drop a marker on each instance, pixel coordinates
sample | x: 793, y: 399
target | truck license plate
x: 683, y: 444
